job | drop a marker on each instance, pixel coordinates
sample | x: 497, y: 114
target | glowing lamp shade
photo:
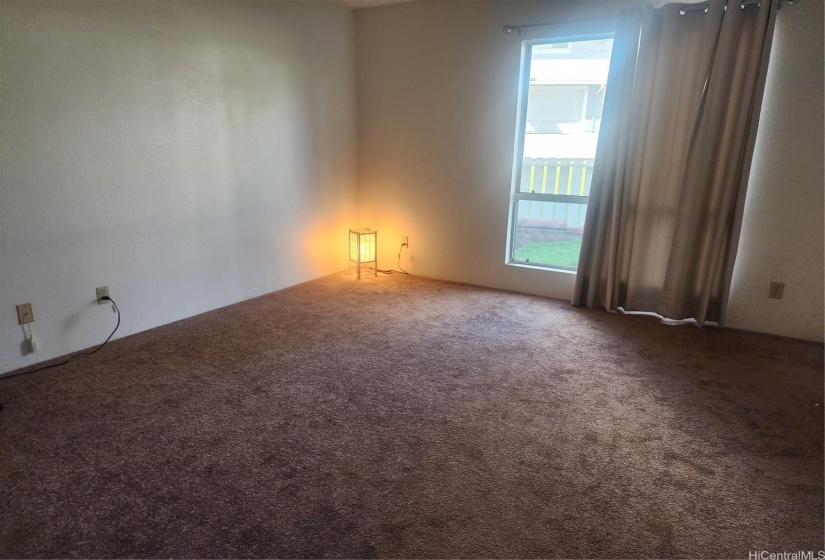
x: 363, y: 246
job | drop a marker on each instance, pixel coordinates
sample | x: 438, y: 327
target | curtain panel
x: 680, y: 120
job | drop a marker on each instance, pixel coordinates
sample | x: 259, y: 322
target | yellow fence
x: 557, y: 176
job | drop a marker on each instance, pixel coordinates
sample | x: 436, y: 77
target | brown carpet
x: 406, y: 417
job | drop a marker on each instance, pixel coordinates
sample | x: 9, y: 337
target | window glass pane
x: 548, y: 233
x: 565, y: 98
x: 566, y: 83
x: 552, y: 106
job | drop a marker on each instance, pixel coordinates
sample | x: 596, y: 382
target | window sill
x: 544, y: 268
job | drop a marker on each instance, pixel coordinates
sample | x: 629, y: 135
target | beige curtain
x: 681, y: 113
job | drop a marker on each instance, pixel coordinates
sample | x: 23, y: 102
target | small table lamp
x: 363, y: 246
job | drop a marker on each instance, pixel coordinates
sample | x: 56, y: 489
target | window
x: 561, y: 99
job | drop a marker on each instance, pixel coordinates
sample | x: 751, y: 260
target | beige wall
x: 782, y: 236
x: 437, y: 89
x: 188, y: 154
x: 437, y: 85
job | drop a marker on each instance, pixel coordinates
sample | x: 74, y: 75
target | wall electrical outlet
x: 102, y: 291
x: 405, y: 241
x: 25, y: 314
x: 776, y: 290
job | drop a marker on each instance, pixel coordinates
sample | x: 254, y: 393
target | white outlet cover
x: 101, y: 292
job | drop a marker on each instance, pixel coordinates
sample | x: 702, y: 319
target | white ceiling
x: 369, y: 3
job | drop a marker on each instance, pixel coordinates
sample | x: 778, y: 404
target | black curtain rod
x: 519, y: 28
x: 743, y: 4
x: 685, y: 8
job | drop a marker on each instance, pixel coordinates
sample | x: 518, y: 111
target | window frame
x: 585, y: 31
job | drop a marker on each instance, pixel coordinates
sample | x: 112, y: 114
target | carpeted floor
x: 406, y: 417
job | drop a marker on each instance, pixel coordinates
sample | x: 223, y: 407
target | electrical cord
x: 400, y: 270
x: 87, y: 353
